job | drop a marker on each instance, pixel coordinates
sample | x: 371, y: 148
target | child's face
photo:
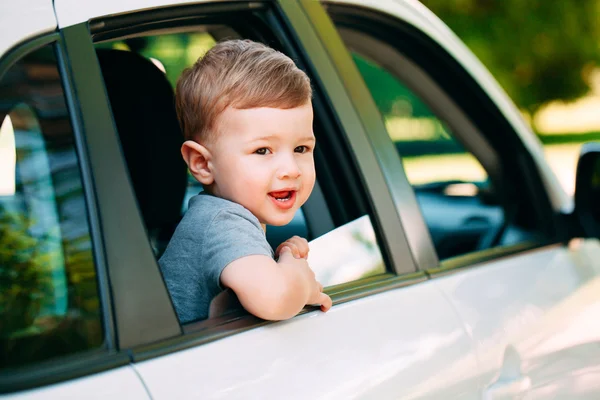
x: 263, y: 160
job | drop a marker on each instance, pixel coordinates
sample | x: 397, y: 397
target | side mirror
x: 587, y: 189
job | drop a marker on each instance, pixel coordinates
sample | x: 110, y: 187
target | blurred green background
x: 546, y: 56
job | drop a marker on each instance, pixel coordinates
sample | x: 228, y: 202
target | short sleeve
x: 231, y: 235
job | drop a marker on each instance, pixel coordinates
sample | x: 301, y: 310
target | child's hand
x: 315, y: 295
x: 298, y: 246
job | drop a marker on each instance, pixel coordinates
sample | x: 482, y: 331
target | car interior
x: 144, y: 113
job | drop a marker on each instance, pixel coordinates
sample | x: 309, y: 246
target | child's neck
x: 209, y: 191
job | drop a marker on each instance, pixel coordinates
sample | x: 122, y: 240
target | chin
x: 280, y: 221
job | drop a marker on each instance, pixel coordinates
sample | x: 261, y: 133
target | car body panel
x: 414, y: 13
x: 543, y: 307
x: 35, y: 17
x: 361, y: 349
x: 120, y: 383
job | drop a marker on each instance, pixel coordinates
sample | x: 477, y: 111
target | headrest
x: 142, y: 102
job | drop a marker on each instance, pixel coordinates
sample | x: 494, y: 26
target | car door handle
x: 511, y: 383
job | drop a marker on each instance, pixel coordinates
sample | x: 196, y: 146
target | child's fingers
x: 301, y: 245
x: 325, y: 302
x: 291, y: 246
x: 284, y: 251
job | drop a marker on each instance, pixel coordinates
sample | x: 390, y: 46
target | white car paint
x: 414, y: 13
x: 20, y: 21
x: 406, y: 343
x: 71, y: 12
x: 120, y: 383
x: 543, y: 307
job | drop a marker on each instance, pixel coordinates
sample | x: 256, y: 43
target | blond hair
x: 241, y: 74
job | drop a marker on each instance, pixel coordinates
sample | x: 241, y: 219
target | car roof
x: 24, y: 20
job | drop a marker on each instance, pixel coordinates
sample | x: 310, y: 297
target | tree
x: 538, y: 50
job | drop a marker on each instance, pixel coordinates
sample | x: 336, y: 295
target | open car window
x: 333, y: 212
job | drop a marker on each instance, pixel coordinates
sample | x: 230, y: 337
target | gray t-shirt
x: 213, y: 233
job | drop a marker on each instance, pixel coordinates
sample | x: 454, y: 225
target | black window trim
x: 104, y: 357
x: 371, y: 22
x: 142, y: 308
x: 90, y: 199
x: 15, y: 53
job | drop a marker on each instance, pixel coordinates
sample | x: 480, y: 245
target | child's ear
x: 198, y: 160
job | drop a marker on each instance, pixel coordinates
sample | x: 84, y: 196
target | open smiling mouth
x: 284, y: 199
x: 282, y: 196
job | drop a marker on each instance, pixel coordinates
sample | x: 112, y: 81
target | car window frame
x: 365, y: 19
x: 81, y: 49
x: 104, y: 357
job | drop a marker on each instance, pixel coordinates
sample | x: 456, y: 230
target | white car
x: 458, y: 266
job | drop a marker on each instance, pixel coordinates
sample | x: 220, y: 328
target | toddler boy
x: 246, y: 113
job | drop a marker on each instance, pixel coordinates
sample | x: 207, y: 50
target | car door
x: 526, y: 292
x: 389, y: 328
x: 56, y: 336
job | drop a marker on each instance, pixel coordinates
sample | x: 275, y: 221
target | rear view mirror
x: 587, y: 189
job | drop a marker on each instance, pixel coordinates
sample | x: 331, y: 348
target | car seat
x: 142, y: 102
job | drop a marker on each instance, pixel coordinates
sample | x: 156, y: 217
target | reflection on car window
x: 453, y: 190
x: 425, y: 142
x: 347, y: 253
x: 48, y: 294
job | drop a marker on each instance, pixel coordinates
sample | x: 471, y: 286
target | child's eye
x: 301, y: 149
x: 262, y: 151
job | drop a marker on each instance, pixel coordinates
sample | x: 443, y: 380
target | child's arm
x: 274, y: 290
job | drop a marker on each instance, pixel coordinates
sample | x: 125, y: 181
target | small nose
x: 288, y: 168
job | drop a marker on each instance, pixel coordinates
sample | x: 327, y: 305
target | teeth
x: 282, y: 199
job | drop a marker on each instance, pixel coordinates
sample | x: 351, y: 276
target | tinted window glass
x: 424, y: 141
x: 459, y: 202
x: 48, y: 292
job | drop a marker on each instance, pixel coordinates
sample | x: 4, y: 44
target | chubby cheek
x: 308, y: 180
x: 253, y: 182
